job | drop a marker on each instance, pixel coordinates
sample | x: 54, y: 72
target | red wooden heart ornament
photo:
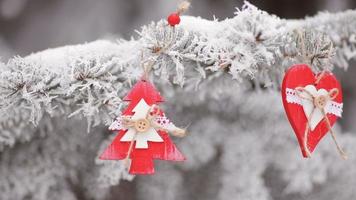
x: 301, y: 76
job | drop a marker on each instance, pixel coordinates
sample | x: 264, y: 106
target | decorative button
x: 320, y: 101
x: 142, y: 125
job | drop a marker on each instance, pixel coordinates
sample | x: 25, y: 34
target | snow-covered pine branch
x: 240, y: 143
x: 90, y: 79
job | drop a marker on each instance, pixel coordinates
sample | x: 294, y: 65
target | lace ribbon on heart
x: 153, y: 119
x: 332, y: 107
x: 322, y: 102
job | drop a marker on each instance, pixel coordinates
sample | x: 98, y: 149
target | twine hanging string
x: 183, y: 7
x: 149, y: 121
x: 127, y: 121
x: 127, y: 158
x: 147, y: 67
x: 142, y: 125
x: 168, y: 39
x: 320, y: 103
x: 304, y: 51
x: 303, y: 48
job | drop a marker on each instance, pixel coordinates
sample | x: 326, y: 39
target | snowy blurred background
x: 32, y: 25
x: 28, y: 26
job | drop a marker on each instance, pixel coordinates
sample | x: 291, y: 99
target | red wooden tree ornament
x: 299, y: 80
x: 150, y: 143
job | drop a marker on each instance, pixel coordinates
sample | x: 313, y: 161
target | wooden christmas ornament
x: 313, y: 103
x: 143, y: 132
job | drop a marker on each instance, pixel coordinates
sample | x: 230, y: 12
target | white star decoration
x: 141, y: 110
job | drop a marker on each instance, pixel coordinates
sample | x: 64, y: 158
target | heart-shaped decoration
x: 300, y: 105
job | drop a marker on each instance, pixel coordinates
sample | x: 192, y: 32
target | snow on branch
x: 89, y: 80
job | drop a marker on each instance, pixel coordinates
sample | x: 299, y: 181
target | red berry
x: 173, y: 19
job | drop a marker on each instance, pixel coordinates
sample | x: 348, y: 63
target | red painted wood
x: 300, y: 76
x: 142, y: 159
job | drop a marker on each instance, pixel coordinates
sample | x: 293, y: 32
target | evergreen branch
x: 89, y: 79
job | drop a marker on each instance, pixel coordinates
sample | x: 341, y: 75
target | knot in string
x: 321, y: 100
x: 143, y: 124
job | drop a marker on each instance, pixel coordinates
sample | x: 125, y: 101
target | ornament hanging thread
x: 313, y: 102
x: 143, y: 127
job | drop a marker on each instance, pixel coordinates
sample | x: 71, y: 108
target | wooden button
x: 320, y: 101
x: 142, y: 125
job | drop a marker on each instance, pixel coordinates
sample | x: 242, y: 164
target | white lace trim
x: 163, y: 121
x: 331, y: 107
x: 117, y: 125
